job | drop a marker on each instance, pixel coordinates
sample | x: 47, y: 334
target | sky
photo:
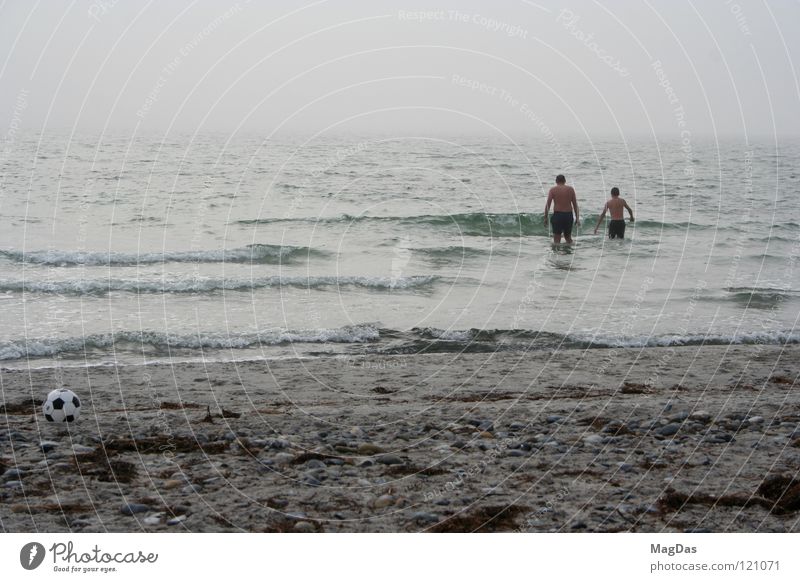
x: 656, y: 67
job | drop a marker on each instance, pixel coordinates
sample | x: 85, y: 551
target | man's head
x: 615, y: 191
x: 560, y: 179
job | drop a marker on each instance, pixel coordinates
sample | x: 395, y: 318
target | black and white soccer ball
x: 62, y: 405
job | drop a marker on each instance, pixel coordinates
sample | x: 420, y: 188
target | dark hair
x: 560, y: 179
x: 615, y: 191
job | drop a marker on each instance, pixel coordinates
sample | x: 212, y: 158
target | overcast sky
x: 610, y: 67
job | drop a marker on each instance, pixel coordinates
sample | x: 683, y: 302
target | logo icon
x: 31, y: 555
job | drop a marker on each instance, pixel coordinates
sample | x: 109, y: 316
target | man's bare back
x: 562, y: 197
x: 616, y: 208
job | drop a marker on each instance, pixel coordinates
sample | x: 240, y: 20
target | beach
x: 657, y: 439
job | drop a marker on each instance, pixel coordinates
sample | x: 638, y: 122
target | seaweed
x: 401, y: 470
x: 28, y: 406
x: 778, y: 494
x: 105, y: 467
x: 482, y: 520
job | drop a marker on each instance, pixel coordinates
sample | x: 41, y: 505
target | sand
x: 659, y: 439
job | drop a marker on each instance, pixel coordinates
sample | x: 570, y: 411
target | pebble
x: 315, y: 464
x: 312, y: 481
x: 176, y: 520
x: 425, y: 517
x: 390, y: 459
x: 486, y: 426
x: 553, y: 418
x: 13, y: 485
x: 133, y: 508
x: 81, y: 450
x: 47, y: 446
x: 191, y: 489
x: 283, y: 458
x: 626, y: 467
x: 594, y: 439
x: 485, y: 435
x: 152, y: 519
x: 369, y: 449
x: 669, y: 430
x: 384, y: 501
x: 13, y: 474
x: 304, y: 527
x: 755, y: 419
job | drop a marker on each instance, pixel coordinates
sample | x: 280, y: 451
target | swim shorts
x: 616, y: 229
x: 562, y: 223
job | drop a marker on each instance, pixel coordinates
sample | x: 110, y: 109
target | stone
x: 390, y: 459
x: 82, y: 450
x: 755, y: 420
x: 152, y: 519
x: 172, y: 483
x: 134, y: 508
x: 176, y: 520
x: 369, y: 449
x: 384, y: 501
x: 553, y: 418
x: 423, y: 517
x: 304, y: 527
x: 13, y: 474
x: 669, y: 430
x: 315, y: 464
x: 47, y: 446
x: 283, y: 458
x: 13, y: 485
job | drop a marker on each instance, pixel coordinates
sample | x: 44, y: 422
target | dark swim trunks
x: 616, y: 229
x: 562, y: 223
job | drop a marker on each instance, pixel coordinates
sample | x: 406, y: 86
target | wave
x: 210, y: 285
x: 163, y: 343
x: 372, y: 339
x: 476, y: 223
x: 255, y: 253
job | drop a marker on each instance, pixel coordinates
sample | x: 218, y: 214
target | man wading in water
x: 563, y: 199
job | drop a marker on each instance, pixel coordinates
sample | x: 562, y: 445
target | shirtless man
x: 563, y: 199
x: 615, y: 206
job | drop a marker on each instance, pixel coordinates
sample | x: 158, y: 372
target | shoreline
x: 654, y: 439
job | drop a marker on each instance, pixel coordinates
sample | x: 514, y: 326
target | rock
x: 423, y: 517
x: 13, y: 485
x: 283, y: 458
x: 517, y: 426
x: 152, y: 519
x: 553, y: 418
x: 369, y: 449
x: 486, y: 426
x: 191, y: 489
x: 304, y: 527
x: 357, y: 432
x: 679, y: 417
x: 384, y: 501
x: 134, y: 508
x: 485, y: 435
x: 578, y: 525
x: 755, y: 420
x: 315, y: 464
x: 13, y: 474
x: 47, y: 446
x: 670, y: 429
x: 701, y: 415
x: 312, y: 481
x: 79, y: 523
x: 516, y: 453
x: 172, y: 483
x: 390, y: 459
x: 278, y: 444
x: 176, y: 520
x: 81, y: 450
x: 594, y: 439
x: 626, y: 467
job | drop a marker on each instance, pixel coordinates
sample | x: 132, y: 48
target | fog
x: 590, y: 68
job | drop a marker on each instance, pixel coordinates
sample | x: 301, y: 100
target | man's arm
x: 547, y: 206
x: 602, y: 216
x: 629, y: 209
x: 575, y: 206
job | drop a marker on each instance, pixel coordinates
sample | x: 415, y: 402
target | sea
x: 130, y: 249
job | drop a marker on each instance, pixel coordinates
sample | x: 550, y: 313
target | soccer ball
x: 62, y: 405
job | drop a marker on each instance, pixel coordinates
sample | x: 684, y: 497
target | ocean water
x: 130, y: 248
